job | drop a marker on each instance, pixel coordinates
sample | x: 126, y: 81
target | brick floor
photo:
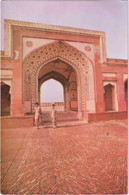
x: 85, y: 159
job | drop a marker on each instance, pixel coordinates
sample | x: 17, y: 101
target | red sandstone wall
x: 107, y: 116
x: 16, y: 122
x: 112, y: 65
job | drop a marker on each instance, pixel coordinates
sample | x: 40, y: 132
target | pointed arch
x: 54, y: 75
x: 48, y: 53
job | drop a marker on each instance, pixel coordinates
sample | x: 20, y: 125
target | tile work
x: 85, y: 159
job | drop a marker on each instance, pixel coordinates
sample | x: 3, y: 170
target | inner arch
x: 54, y: 52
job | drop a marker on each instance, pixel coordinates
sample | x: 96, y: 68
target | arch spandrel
x: 56, y: 49
x: 46, y: 54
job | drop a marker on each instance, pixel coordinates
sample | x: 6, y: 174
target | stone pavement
x: 82, y: 159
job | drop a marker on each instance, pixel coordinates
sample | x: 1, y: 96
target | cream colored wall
x: 36, y: 43
x: 9, y: 24
x: 109, y: 74
x: 90, y: 103
x: 6, y: 74
x: 82, y: 47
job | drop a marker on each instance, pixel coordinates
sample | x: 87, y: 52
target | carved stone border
x: 48, y: 53
x: 10, y: 25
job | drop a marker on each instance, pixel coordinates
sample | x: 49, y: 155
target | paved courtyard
x: 82, y: 159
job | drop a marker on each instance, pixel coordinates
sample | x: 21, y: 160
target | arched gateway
x: 94, y: 85
x: 63, y: 62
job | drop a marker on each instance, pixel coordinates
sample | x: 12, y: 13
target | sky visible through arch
x: 107, y: 16
x: 49, y: 95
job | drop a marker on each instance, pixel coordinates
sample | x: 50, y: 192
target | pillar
x: 17, y: 107
x: 67, y: 101
x: 65, y: 98
x: 99, y: 96
x: 121, y: 93
x: 79, y: 115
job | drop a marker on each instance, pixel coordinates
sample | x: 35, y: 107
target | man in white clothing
x: 53, y: 116
x: 37, y: 115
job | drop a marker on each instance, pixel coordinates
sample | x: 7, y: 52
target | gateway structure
x: 94, y: 86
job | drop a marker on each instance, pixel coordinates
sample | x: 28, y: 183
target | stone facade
x: 76, y: 58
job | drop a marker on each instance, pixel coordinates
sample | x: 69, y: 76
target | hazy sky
x: 52, y: 96
x: 107, y: 16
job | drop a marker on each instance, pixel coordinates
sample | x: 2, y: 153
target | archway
x: 109, y: 97
x: 5, y: 99
x: 126, y: 93
x: 64, y: 74
x: 53, y: 52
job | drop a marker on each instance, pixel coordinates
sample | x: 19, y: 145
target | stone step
x: 64, y: 124
x: 61, y: 116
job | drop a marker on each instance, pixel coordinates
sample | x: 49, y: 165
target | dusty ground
x: 81, y: 159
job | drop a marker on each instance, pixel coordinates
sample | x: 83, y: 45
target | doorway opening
x: 52, y: 91
x: 109, y: 98
x: 5, y: 99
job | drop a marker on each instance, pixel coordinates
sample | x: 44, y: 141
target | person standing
x: 53, y: 116
x: 37, y: 115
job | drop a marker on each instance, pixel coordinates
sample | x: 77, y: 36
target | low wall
x: 94, y: 117
x: 8, y: 122
x: 48, y: 106
x: 16, y: 122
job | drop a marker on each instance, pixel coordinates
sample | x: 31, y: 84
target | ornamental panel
x: 46, y: 54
